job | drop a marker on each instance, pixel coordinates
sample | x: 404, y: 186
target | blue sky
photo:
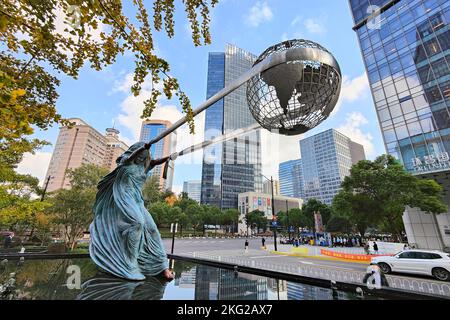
x: 103, y: 98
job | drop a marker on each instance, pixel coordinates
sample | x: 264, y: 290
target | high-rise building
x: 193, y: 189
x: 406, y: 51
x: 291, y: 178
x: 327, y: 158
x: 267, y: 187
x: 114, y: 148
x: 163, y: 148
x: 75, y: 146
x: 234, y: 166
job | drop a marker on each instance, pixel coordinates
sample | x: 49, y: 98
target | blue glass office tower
x: 327, y: 158
x: 406, y: 51
x: 234, y: 166
x: 149, y: 130
x: 291, y: 178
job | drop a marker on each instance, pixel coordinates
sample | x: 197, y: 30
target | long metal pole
x: 288, y: 225
x: 274, y: 217
x: 271, y: 61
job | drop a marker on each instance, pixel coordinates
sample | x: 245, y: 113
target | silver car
x: 426, y: 262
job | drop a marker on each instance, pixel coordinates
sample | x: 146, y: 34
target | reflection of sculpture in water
x: 124, y: 238
x: 104, y: 287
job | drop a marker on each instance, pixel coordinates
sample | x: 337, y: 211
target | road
x: 232, y: 251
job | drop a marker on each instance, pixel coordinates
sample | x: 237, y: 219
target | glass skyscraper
x: 234, y: 166
x: 406, y: 54
x: 165, y: 147
x: 193, y: 189
x: 291, y: 178
x: 327, y: 158
x: 406, y: 51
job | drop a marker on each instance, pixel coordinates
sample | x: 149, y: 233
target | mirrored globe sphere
x: 297, y: 94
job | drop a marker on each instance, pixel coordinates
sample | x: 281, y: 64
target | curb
x: 317, y: 257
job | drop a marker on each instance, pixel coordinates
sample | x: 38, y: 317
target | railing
x: 348, y: 276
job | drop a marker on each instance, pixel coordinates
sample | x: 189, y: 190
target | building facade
x: 290, y: 174
x: 252, y: 201
x: 234, y: 166
x: 163, y: 148
x: 406, y: 51
x: 327, y: 158
x: 114, y: 148
x: 193, y: 189
x: 267, y: 187
x: 78, y: 145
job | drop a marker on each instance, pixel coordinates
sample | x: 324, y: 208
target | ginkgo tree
x: 43, y: 39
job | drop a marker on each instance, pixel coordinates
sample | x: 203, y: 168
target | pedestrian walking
x: 246, y: 246
x: 263, y: 241
x: 375, y: 248
x: 366, y: 248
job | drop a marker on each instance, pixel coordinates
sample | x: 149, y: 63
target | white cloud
x: 352, y: 90
x: 130, y: 117
x: 315, y: 26
x: 35, y: 165
x: 259, y: 13
x: 352, y: 129
x: 276, y: 148
x: 296, y: 21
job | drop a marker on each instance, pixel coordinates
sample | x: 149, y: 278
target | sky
x: 103, y: 99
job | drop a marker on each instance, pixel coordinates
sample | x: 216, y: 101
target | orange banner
x: 348, y: 256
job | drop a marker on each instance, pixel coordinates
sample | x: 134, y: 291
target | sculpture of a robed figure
x: 124, y: 238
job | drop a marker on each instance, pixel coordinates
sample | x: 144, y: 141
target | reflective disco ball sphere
x: 299, y: 89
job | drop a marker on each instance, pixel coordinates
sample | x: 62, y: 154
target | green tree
x: 256, y: 219
x: 339, y: 224
x: 160, y: 212
x: 312, y: 206
x: 195, y: 214
x: 230, y: 218
x: 380, y: 191
x: 184, y: 201
x: 151, y: 191
x: 72, y: 208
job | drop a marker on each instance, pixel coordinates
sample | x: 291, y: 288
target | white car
x: 426, y: 262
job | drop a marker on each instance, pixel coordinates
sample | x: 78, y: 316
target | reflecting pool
x: 68, y: 279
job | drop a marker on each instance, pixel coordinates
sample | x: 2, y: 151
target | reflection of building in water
x: 277, y: 288
x: 242, y: 287
x: 206, y: 283
x: 298, y: 291
x: 220, y: 284
x: 187, y: 279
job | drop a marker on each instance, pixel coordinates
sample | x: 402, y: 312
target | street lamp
x: 274, y: 218
x: 288, y: 224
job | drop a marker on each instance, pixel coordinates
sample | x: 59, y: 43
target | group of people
x: 346, y: 242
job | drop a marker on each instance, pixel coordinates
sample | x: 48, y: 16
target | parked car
x: 426, y: 262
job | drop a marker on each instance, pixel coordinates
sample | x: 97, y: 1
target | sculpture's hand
x: 173, y: 156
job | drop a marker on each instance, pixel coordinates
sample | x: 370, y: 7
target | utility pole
x: 288, y: 224
x: 274, y: 218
